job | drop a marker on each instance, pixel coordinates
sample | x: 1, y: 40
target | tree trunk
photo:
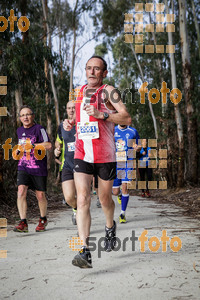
x: 1, y: 175
x: 60, y: 53
x: 18, y: 91
x: 178, y: 119
x: 18, y: 101
x: 56, y: 103
x: 74, y: 47
x: 158, y: 63
x: 23, y: 9
x: 196, y: 25
x: 47, y: 97
x: 192, y: 173
x: 46, y: 67
x: 73, y: 61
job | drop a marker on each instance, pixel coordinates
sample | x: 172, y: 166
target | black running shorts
x: 106, y: 171
x: 67, y: 175
x: 38, y: 183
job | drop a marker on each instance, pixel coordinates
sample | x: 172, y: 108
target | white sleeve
x: 44, y: 135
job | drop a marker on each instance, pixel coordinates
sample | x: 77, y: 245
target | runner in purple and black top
x: 32, y: 168
x: 36, y: 134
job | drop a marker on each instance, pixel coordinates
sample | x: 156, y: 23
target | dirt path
x: 38, y: 265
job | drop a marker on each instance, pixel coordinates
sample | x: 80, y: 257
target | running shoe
x: 143, y: 195
x: 147, y: 194
x: 74, y: 216
x: 98, y: 203
x: 122, y: 218
x: 110, y: 238
x: 21, y: 227
x: 41, y: 226
x: 119, y: 199
x: 83, y: 259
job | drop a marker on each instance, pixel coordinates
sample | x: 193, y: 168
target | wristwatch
x: 105, y: 115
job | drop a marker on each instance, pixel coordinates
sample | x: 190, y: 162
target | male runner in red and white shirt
x: 98, y: 109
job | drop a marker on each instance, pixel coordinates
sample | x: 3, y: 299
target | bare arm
x: 28, y: 146
x: 122, y: 117
x: 58, y: 161
x: 46, y: 145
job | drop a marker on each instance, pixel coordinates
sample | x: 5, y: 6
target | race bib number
x: 71, y: 147
x: 88, y: 130
x: 86, y: 100
x: 121, y: 156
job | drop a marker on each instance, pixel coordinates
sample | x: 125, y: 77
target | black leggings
x: 145, y: 171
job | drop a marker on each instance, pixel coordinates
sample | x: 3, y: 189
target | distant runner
x: 126, y: 139
x: 65, y: 146
x: 144, y: 169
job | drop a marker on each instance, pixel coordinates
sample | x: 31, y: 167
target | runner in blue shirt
x: 126, y: 139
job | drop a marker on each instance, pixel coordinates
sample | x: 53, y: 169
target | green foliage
x: 101, y: 49
x: 111, y: 17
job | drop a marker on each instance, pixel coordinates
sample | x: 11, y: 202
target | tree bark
x: 158, y: 63
x: 178, y: 118
x: 18, y: 102
x: 47, y: 97
x: 73, y: 48
x: 1, y: 175
x: 196, y: 25
x: 60, y: 54
x: 192, y: 174
x: 56, y: 103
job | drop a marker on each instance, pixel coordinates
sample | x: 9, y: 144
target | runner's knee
x: 22, y: 190
x: 106, y: 200
x: 41, y: 196
x: 83, y: 201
